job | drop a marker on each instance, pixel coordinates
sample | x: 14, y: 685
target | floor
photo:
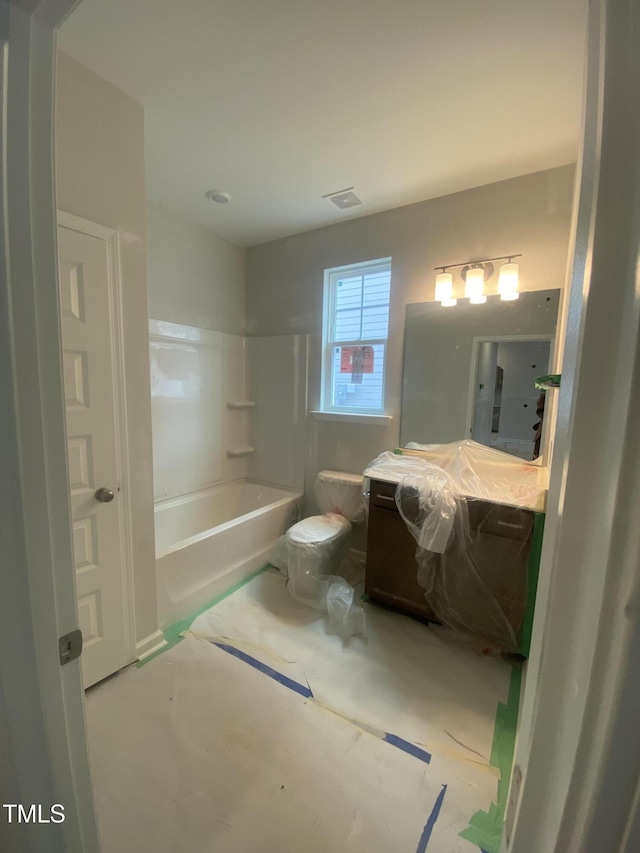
x: 261, y: 733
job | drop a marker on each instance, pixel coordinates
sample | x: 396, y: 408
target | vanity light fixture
x: 474, y: 285
x: 444, y: 289
x: 508, y: 281
x: 474, y: 274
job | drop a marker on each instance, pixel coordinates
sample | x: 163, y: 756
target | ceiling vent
x: 344, y: 199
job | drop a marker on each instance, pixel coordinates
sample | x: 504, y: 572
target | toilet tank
x: 339, y: 492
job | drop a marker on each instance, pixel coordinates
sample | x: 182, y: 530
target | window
x: 355, y: 329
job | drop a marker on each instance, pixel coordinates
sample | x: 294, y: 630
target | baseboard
x: 150, y: 645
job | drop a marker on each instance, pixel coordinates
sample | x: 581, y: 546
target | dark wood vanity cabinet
x: 391, y: 570
x: 504, y: 544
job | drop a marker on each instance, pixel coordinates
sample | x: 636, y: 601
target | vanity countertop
x: 481, y: 472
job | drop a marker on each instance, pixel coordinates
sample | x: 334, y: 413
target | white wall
x: 194, y: 374
x: 100, y: 177
x: 529, y: 214
x: 196, y: 283
x: 521, y: 362
x: 194, y: 276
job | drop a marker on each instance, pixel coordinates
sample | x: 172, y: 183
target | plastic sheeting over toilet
x: 313, y: 553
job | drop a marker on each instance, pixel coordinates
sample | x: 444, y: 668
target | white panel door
x: 91, y: 417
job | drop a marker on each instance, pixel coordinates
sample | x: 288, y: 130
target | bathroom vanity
x: 504, y: 547
x: 391, y: 569
x: 470, y: 407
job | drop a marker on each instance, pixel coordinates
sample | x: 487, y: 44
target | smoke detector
x: 343, y: 199
x: 219, y: 196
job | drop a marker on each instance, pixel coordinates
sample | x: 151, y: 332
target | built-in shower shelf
x: 241, y: 404
x: 242, y: 450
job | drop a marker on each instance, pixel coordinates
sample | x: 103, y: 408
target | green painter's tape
x: 546, y: 383
x: 485, y: 828
x: 173, y: 634
x: 532, y: 583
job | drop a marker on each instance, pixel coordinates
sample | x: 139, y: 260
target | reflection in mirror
x: 507, y: 410
x: 469, y: 371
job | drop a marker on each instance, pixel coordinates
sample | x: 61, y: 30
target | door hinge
x: 70, y: 646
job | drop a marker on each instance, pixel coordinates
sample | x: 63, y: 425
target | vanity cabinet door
x: 391, y: 573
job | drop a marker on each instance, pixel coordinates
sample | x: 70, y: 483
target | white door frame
x: 579, y: 747
x: 471, y: 399
x: 42, y: 722
x: 116, y: 318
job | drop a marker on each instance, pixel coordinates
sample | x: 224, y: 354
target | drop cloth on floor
x: 197, y: 752
x: 403, y: 678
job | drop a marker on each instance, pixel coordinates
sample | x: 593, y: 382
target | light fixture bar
x: 445, y: 267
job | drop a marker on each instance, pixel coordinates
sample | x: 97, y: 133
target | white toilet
x: 307, y: 549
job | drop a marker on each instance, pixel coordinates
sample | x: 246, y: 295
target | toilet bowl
x: 308, y: 549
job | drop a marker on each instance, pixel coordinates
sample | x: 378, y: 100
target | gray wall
x: 194, y: 276
x: 277, y: 367
x: 529, y: 214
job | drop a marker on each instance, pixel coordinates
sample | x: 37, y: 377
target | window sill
x: 352, y: 418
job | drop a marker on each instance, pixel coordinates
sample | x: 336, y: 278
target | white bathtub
x: 208, y: 542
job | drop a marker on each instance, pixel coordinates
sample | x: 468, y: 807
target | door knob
x: 104, y: 495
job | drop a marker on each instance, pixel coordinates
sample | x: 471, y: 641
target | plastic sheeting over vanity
x: 475, y: 514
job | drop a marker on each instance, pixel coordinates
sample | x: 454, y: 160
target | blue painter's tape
x: 302, y: 689
x: 408, y: 747
x: 431, y: 822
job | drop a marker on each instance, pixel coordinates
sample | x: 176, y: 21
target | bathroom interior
x: 295, y: 358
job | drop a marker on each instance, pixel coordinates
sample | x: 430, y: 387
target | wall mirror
x: 469, y: 371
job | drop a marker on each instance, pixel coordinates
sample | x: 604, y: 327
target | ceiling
x: 280, y: 102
